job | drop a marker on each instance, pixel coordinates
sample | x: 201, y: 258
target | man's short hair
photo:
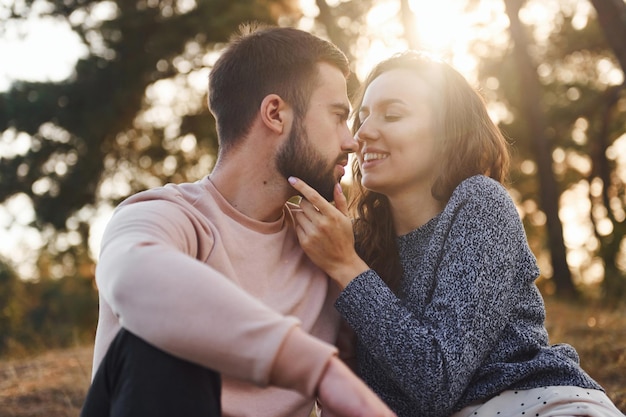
x: 262, y: 60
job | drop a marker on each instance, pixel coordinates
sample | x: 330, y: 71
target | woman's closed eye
x: 392, y: 117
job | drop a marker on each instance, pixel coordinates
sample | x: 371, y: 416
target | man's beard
x: 298, y: 158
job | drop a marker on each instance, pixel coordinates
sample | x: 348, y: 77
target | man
x: 203, y: 279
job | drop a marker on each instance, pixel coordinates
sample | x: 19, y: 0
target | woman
x: 440, y: 291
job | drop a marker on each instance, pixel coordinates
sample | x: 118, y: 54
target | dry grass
x: 55, y: 383
x: 50, y: 384
x: 599, y: 336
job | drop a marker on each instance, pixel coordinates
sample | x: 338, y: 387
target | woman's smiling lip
x: 372, y: 156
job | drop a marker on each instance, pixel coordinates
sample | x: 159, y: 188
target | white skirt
x: 545, y: 402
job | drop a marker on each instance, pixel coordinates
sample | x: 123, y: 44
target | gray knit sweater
x: 471, y: 321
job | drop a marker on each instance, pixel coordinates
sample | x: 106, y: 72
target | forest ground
x: 54, y: 383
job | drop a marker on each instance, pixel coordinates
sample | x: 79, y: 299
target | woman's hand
x: 325, y: 233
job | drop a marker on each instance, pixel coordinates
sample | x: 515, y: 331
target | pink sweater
x: 173, y: 263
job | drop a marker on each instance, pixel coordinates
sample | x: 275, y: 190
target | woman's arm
x: 432, y: 350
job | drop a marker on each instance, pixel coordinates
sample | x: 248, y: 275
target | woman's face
x: 396, y: 143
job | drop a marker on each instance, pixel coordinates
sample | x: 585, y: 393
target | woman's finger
x: 310, y: 194
x: 308, y: 208
x: 340, y: 200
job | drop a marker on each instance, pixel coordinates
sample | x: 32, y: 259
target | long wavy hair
x: 467, y: 142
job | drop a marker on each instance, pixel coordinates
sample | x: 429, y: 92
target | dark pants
x: 136, y: 379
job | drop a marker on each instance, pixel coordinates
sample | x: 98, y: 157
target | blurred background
x: 101, y: 99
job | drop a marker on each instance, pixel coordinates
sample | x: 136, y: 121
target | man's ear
x: 275, y: 113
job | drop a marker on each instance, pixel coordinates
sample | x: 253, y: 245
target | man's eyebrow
x: 344, y: 108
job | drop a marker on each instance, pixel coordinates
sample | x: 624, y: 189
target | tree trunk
x: 612, y: 19
x: 614, y: 284
x: 337, y: 36
x: 408, y: 24
x: 532, y: 112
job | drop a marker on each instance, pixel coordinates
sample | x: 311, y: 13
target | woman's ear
x: 275, y: 113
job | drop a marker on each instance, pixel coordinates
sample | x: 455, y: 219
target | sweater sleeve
x: 431, y: 351
x: 149, y: 275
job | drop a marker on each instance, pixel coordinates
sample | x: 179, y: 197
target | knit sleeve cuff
x: 364, y: 299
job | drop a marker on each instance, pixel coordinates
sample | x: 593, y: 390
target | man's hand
x: 343, y: 394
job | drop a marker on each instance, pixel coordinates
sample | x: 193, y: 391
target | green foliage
x: 61, y: 312
x: 95, y: 138
x: 77, y: 123
x: 88, y: 131
x: 49, y: 313
x: 11, y: 311
x: 585, y: 115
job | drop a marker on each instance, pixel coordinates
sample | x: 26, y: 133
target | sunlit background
x: 43, y: 49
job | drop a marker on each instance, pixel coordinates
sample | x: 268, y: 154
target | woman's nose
x: 366, y: 131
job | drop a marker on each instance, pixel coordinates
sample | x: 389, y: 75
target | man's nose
x: 349, y: 143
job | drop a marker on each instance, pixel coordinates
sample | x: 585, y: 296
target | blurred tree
x: 580, y: 91
x: 103, y: 134
x: 91, y: 123
x: 11, y: 308
x: 557, y: 100
x: 610, y: 124
x: 48, y: 313
x: 612, y: 19
x: 133, y: 115
x: 343, y: 24
x: 532, y: 112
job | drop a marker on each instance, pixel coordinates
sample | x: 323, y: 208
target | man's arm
x: 148, y: 274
